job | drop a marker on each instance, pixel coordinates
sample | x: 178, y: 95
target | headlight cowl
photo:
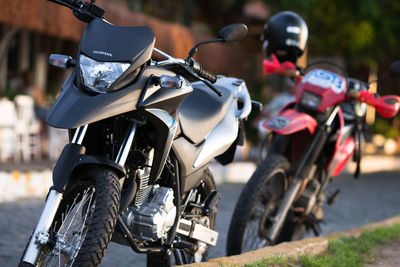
x: 310, y: 101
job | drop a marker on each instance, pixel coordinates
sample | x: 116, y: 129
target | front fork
x: 41, y: 236
x: 302, y: 170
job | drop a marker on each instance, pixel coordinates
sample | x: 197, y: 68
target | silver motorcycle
x: 142, y: 135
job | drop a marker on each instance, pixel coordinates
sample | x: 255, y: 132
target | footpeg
x: 332, y: 198
x: 183, y: 244
x: 316, y: 228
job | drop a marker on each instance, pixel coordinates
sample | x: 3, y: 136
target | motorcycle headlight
x: 98, y: 76
x: 360, y: 109
x: 310, y: 101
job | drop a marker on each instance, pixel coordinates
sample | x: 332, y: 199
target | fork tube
x: 40, y: 235
x: 126, y: 146
x: 79, y: 135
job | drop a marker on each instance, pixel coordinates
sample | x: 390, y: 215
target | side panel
x: 194, y: 158
x: 74, y: 107
x: 166, y: 128
x: 220, y: 139
x: 168, y: 99
x: 341, y: 156
x: 291, y: 121
x: 344, y: 148
x: 186, y: 152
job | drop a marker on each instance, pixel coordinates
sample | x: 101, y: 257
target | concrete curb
x: 310, y: 246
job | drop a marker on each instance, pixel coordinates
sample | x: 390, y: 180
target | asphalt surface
x: 373, y: 197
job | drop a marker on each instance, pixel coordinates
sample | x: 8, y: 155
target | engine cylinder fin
x: 144, y: 189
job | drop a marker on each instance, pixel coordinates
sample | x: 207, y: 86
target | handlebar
x: 191, y: 67
x: 84, y: 11
x: 202, y: 72
x: 387, y: 106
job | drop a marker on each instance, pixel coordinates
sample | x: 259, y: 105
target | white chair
x: 8, y: 140
x: 27, y: 128
x: 58, y: 138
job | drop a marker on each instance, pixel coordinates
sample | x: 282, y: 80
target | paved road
x: 372, y: 198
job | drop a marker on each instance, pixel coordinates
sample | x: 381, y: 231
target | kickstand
x: 316, y: 229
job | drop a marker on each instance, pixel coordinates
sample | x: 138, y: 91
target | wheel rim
x: 72, y: 230
x: 266, y: 205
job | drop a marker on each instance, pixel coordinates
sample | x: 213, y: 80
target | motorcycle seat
x: 202, y: 110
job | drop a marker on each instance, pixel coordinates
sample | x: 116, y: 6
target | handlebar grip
x: 207, y: 75
x: 203, y: 73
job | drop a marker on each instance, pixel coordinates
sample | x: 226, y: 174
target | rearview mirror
x: 233, y: 32
x: 395, y: 68
x: 228, y: 34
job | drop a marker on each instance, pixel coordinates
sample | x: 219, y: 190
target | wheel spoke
x: 71, y: 232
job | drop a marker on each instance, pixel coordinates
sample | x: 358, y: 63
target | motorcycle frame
x: 302, y: 170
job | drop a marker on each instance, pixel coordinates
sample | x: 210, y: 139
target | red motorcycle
x: 312, y: 139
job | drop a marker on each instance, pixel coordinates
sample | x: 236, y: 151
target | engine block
x: 152, y: 220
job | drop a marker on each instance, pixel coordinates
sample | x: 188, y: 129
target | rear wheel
x: 85, y: 220
x: 257, y: 206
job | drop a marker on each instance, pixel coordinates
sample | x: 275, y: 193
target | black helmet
x: 285, y: 35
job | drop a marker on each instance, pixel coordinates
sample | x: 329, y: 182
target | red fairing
x: 330, y: 86
x: 272, y: 65
x: 387, y: 106
x: 341, y: 156
x: 291, y: 121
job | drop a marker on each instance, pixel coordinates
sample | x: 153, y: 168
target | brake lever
x: 218, y: 92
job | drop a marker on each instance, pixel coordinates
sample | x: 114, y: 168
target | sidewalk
x: 33, y: 179
x: 309, y: 246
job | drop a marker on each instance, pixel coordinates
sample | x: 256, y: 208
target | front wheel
x: 85, y: 220
x: 258, y: 205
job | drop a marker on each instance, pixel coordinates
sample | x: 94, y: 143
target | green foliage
x: 382, y: 126
x: 8, y: 92
x: 346, y: 251
x: 360, y: 29
x: 274, y: 261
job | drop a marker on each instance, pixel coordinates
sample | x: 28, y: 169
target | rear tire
x: 85, y: 220
x: 259, y: 201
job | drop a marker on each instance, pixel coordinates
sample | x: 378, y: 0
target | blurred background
x: 361, y: 35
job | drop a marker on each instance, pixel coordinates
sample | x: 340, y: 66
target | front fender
x: 72, y: 158
x: 291, y: 121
